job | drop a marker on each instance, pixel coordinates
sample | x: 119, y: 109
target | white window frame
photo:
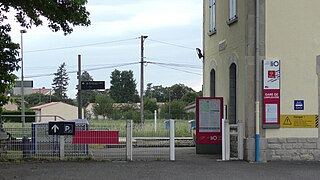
x: 232, y: 11
x: 212, y: 18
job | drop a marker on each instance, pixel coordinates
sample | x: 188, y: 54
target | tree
x: 103, y: 105
x: 8, y: 63
x: 123, y: 87
x: 38, y: 99
x: 161, y: 94
x: 60, y: 15
x: 190, y: 97
x: 60, y: 82
x: 174, y: 109
x: 85, y: 76
x: 178, y: 90
x: 150, y: 104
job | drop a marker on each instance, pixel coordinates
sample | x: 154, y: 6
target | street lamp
x: 23, y: 118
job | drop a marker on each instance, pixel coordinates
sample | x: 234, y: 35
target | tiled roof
x: 44, y: 105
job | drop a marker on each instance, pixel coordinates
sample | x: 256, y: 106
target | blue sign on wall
x: 298, y: 104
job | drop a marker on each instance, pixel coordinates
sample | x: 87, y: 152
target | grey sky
x: 166, y: 22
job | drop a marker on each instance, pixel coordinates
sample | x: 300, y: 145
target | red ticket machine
x: 209, y: 112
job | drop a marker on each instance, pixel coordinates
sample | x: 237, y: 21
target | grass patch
x: 145, y: 130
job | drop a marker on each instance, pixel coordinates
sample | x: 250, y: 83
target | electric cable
x: 77, y: 46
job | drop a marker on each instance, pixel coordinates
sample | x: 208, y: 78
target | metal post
x: 257, y: 86
x: 240, y: 141
x: 224, y: 121
x: 155, y: 120
x: 142, y: 79
x: 79, y: 89
x: 169, y: 104
x: 61, y: 140
x: 223, y: 140
x: 172, y: 146
x: 129, y: 140
x: 23, y: 118
x: 227, y: 140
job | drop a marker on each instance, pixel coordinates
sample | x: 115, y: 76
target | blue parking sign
x: 298, y: 104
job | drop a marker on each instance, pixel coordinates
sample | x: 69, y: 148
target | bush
x: 148, y: 115
x: 17, y: 117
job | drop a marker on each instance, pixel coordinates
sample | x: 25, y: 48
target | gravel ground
x: 188, y: 165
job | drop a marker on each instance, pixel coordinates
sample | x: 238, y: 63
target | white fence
x: 126, y: 143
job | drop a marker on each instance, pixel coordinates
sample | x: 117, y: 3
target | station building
x: 263, y: 58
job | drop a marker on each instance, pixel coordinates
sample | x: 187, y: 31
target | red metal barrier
x: 96, y: 137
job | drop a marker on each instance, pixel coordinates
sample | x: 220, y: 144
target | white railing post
x: 155, y: 120
x: 227, y: 140
x: 129, y: 140
x: 240, y: 141
x: 223, y: 140
x: 172, y: 148
x: 61, y: 141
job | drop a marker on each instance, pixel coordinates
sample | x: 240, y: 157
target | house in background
x: 61, y: 110
x: 11, y: 106
x: 43, y: 90
x: 263, y: 58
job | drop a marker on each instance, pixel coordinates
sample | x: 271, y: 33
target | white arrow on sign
x: 55, y: 128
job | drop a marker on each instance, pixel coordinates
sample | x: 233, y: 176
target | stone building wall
x: 293, y: 149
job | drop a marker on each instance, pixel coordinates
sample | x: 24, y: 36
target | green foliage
x: 60, y: 82
x: 178, y: 90
x: 86, y: 94
x: 60, y: 14
x: 173, y: 110
x: 103, y: 105
x: 150, y: 104
x: 133, y: 115
x: 161, y: 94
x: 148, y: 114
x: 123, y: 87
x: 189, y: 97
x: 8, y: 62
x: 17, y: 118
x: 38, y: 99
x: 165, y: 94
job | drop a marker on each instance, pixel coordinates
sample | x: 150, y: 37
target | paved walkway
x: 187, y: 166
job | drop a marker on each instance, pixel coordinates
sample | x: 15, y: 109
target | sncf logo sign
x: 272, y: 74
x: 274, y: 63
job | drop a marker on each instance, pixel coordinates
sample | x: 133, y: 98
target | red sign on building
x: 209, y: 113
x: 271, y: 94
x: 96, y: 137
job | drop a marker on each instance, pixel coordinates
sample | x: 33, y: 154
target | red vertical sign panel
x: 209, y: 113
x: 271, y: 93
x: 271, y: 106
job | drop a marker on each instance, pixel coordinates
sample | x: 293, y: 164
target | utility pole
x: 142, y: 79
x: 79, y: 89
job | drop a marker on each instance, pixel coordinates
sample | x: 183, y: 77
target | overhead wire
x: 165, y: 65
x: 171, y: 44
x: 83, y: 45
x: 176, y: 65
x: 89, y: 69
x: 190, y: 72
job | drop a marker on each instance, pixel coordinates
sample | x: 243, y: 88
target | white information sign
x: 209, y: 115
x: 271, y: 70
x: 271, y: 113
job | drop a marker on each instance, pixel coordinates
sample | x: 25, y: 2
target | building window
x: 233, y: 94
x: 212, y: 7
x: 232, y: 11
x: 213, y: 83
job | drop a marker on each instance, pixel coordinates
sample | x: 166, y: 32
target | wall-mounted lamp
x: 200, y: 55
